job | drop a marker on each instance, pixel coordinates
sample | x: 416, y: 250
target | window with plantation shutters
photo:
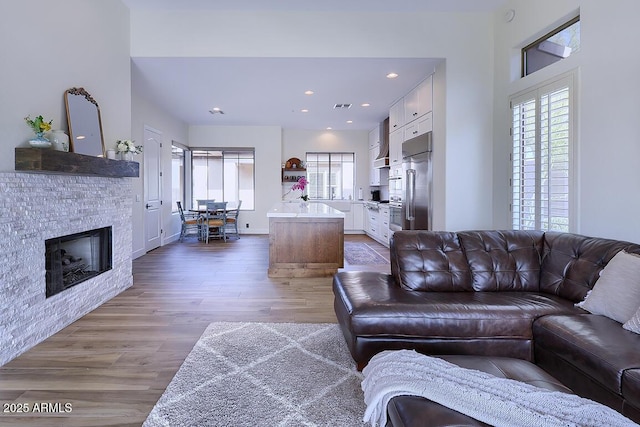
x: 541, y: 157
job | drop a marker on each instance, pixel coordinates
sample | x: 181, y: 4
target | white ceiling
x: 323, y: 5
x: 270, y: 91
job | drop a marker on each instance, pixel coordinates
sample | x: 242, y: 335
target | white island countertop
x: 303, y: 210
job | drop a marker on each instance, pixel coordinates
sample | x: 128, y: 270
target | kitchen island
x: 305, y: 240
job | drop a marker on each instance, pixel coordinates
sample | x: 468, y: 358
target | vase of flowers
x: 299, y: 186
x: 127, y: 148
x: 39, y: 126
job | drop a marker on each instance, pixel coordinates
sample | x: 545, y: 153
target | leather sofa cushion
x: 571, y: 263
x: 631, y: 386
x: 429, y: 261
x: 405, y: 411
x: 504, y: 260
x: 376, y: 308
x: 595, y: 345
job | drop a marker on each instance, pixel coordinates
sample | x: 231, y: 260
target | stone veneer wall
x: 36, y: 207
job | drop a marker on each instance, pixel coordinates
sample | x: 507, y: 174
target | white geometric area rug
x: 264, y: 374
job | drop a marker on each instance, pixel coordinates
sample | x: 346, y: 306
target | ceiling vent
x: 341, y: 106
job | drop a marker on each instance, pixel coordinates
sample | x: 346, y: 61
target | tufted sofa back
x: 571, y: 263
x: 504, y: 260
x: 429, y: 261
x: 563, y: 264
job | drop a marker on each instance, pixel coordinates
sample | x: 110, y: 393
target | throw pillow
x: 616, y: 293
x: 633, y: 324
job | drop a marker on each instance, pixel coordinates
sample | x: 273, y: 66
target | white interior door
x: 152, y: 188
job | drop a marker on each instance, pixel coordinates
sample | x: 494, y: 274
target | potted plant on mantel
x: 39, y: 126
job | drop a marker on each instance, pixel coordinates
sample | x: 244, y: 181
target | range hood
x: 382, y: 161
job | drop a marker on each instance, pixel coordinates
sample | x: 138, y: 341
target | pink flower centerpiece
x: 300, y: 185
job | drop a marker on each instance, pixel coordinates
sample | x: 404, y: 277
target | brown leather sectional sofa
x: 501, y: 294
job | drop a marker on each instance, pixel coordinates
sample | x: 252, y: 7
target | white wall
x: 608, y: 150
x: 46, y: 50
x: 465, y: 41
x: 145, y: 113
x: 268, y: 151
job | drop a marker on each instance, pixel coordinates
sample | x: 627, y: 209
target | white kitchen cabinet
x: 374, y: 138
x: 372, y: 225
x: 374, y: 173
x: 396, y: 116
x: 425, y: 96
x: 383, y: 228
x: 348, y: 220
x: 358, y: 216
x: 419, y: 101
x: 418, y: 127
x: 410, y: 106
x: 353, y: 213
x: 395, y: 151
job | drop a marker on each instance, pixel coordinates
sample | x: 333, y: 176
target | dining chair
x: 201, y: 204
x: 190, y: 223
x: 213, y: 223
x: 231, y: 224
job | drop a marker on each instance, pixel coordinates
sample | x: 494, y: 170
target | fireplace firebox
x: 74, y: 258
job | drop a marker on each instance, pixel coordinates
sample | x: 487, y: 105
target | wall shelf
x: 60, y: 162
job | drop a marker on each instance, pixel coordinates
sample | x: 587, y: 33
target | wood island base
x: 305, y: 247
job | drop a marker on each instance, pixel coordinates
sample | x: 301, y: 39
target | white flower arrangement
x: 128, y: 146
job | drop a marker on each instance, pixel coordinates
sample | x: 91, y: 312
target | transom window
x: 331, y: 176
x: 553, y: 47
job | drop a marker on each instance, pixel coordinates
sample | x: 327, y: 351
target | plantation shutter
x: 541, y: 153
x: 524, y: 179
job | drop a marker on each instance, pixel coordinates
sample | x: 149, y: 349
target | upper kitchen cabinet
x: 418, y: 127
x: 395, y: 153
x: 419, y: 101
x: 374, y: 138
x: 374, y: 173
x: 396, y: 116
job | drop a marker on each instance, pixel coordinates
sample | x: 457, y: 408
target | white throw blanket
x: 487, y: 398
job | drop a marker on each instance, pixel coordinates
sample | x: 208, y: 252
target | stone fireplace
x: 74, y: 258
x: 35, y: 208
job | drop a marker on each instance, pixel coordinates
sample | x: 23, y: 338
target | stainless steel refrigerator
x: 417, y: 207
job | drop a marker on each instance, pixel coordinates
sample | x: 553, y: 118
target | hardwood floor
x: 113, y: 364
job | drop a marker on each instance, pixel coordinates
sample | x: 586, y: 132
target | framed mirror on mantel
x: 85, y: 124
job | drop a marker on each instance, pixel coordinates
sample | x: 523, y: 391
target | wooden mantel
x: 52, y: 161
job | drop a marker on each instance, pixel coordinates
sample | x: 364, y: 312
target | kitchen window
x: 331, y: 176
x: 542, y: 167
x: 224, y: 175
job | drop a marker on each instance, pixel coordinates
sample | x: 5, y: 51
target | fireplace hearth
x: 75, y: 258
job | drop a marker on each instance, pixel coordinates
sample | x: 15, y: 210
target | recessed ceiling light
x: 308, y: 92
x: 392, y: 75
x: 366, y: 104
x: 329, y: 128
x: 349, y: 121
x: 304, y: 110
x: 216, y: 110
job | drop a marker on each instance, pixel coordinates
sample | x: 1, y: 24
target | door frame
x: 160, y: 190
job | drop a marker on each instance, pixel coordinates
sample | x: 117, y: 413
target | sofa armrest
x: 357, y: 289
